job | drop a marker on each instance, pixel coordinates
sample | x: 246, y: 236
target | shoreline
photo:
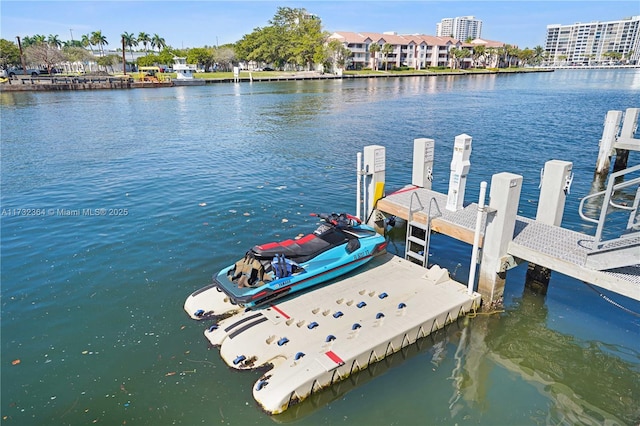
x: 28, y: 84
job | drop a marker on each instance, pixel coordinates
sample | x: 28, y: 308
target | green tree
x: 166, y: 56
x: 339, y: 54
x: 86, y: 42
x: 145, y: 40
x: 293, y: 38
x: 148, y: 60
x: 109, y: 61
x: 538, y: 54
x: 9, y: 54
x: 54, y: 41
x: 200, y: 56
x: 612, y: 55
x: 525, y: 56
x: 374, y: 48
x: 387, y: 48
x: 157, y: 41
x: 98, y: 39
x: 129, y: 41
x: 478, y: 55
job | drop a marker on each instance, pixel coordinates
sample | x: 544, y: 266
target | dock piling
x: 554, y: 188
x: 476, y: 239
x: 460, y: 166
x: 611, y: 127
x: 504, y: 198
x: 423, y: 154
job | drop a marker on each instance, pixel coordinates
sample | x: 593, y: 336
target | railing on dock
x: 625, y: 245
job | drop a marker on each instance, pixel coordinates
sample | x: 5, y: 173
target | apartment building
x: 461, y: 28
x: 589, y: 43
x: 417, y: 51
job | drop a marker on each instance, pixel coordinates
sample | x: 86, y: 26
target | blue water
x: 118, y: 204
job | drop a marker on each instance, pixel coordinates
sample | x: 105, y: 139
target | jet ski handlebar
x: 341, y: 220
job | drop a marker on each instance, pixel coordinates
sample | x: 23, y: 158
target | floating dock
x: 322, y: 337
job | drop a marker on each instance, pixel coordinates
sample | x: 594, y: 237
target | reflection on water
x: 586, y: 382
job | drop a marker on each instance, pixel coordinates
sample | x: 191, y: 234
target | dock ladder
x: 418, y: 233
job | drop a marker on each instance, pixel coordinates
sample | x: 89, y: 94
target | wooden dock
x: 322, y: 337
x: 552, y: 247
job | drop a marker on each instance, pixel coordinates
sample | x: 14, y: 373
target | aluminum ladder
x: 419, y: 234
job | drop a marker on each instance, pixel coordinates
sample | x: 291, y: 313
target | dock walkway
x: 324, y: 336
x: 552, y: 247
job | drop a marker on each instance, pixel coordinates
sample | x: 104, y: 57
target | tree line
x: 292, y: 40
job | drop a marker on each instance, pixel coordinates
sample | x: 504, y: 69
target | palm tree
x: 99, y: 40
x: 478, y: 52
x: 158, y: 42
x: 54, y: 41
x: 512, y: 53
x: 86, y: 42
x: 387, y: 48
x: 454, y: 53
x: 538, y: 54
x: 129, y: 41
x: 374, y: 48
x: 144, y: 39
x: 38, y: 38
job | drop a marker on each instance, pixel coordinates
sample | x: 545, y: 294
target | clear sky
x: 198, y: 23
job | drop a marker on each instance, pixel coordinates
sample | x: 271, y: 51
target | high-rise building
x: 594, y: 42
x: 460, y: 28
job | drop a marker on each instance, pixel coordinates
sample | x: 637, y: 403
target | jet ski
x: 340, y: 244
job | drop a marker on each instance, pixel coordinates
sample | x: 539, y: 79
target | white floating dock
x: 324, y: 336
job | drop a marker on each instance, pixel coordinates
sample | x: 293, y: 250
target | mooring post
x: 460, y: 166
x: 609, y: 134
x: 476, y: 238
x: 504, y: 197
x: 625, y: 141
x: 554, y: 188
x: 374, y: 158
x: 423, y: 153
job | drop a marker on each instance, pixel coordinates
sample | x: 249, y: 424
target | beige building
x: 417, y: 51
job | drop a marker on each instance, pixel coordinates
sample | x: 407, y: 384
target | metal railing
x: 633, y: 225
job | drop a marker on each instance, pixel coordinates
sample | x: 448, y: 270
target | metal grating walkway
x: 552, y: 247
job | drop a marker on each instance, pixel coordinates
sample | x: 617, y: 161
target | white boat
x: 184, y: 73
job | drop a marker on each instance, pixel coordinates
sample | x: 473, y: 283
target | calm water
x: 92, y: 303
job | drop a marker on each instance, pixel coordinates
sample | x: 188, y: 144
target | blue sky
x: 209, y: 22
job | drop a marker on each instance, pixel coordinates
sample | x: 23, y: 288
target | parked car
x: 12, y: 72
x: 54, y: 71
